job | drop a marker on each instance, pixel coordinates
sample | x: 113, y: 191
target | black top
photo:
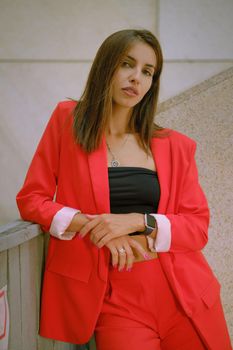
x: 133, y: 190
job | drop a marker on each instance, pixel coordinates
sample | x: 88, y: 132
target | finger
x: 106, y: 238
x: 121, y: 259
x: 98, y: 237
x: 114, y: 254
x: 88, y: 227
x: 150, y: 242
x: 139, y: 248
x: 98, y: 228
x: 90, y: 216
x: 102, y: 234
x: 129, y: 258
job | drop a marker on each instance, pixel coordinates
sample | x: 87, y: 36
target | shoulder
x: 61, y: 118
x: 179, y: 144
x: 63, y: 112
x: 181, y: 140
x: 66, y: 106
x: 175, y: 137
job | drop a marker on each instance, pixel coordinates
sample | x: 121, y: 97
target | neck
x: 118, y: 123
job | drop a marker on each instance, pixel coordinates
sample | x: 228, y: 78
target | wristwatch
x: 150, y: 224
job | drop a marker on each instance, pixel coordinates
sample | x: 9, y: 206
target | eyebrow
x: 147, y: 64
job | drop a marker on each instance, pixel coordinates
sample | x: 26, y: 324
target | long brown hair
x: 91, y: 114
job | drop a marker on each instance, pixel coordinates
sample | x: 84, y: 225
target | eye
x: 148, y: 73
x: 126, y: 64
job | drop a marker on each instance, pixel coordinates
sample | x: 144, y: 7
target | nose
x: 135, y: 75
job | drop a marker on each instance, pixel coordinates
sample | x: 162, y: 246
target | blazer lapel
x: 98, y: 167
x: 161, y: 152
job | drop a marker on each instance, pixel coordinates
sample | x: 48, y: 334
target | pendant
x: 115, y: 163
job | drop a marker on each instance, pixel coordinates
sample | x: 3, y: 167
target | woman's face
x: 134, y: 76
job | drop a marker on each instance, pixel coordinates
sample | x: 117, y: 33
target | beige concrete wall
x: 196, y: 40
x: 205, y: 113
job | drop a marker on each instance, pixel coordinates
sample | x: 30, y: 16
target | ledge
x: 17, y: 232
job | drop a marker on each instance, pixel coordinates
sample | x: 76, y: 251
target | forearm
x: 66, y: 223
x: 137, y: 222
x: 78, y: 221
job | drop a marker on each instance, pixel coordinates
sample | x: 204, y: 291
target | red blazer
x: 76, y: 271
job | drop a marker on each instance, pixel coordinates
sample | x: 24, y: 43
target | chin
x: 126, y: 104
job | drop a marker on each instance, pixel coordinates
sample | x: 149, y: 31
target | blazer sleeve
x: 186, y: 228
x: 35, y: 200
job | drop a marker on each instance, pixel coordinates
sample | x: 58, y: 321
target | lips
x: 131, y: 91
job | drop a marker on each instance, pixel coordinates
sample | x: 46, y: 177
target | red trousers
x: 140, y: 312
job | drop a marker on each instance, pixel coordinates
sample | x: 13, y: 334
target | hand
x: 105, y: 227
x: 125, y: 259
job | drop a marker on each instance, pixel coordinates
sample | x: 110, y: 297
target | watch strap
x: 149, y: 229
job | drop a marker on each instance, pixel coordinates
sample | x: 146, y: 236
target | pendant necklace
x: 114, y: 162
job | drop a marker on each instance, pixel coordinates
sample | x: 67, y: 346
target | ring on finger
x: 122, y: 251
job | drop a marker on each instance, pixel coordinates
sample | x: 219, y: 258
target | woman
x: 129, y: 218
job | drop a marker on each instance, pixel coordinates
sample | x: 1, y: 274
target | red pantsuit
x: 76, y: 275
x: 140, y: 312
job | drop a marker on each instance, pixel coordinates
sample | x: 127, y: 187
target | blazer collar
x: 160, y: 148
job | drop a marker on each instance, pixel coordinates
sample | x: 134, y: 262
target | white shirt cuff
x: 61, y: 221
x: 163, y: 239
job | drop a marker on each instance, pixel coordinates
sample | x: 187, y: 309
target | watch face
x: 150, y: 221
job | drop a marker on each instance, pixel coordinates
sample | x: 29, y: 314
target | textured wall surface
x: 195, y: 36
x: 205, y: 113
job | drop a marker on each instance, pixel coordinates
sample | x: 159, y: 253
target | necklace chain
x: 114, y: 162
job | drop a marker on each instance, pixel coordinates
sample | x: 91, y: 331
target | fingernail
x: 80, y: 236
x: 129, y: 269
x: 120, y: 268
x: 146, y: 256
